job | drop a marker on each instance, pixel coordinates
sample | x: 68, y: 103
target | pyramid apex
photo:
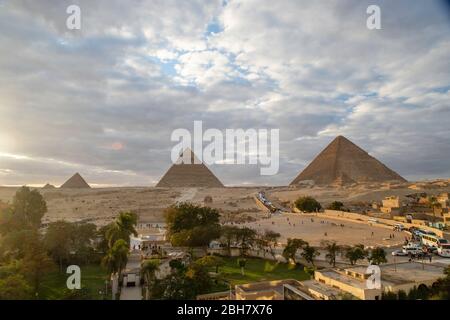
x: 341, y: 137
x: 189, y: 171
x: 76, y: 182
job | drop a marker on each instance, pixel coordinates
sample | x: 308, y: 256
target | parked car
x: 399, y: 253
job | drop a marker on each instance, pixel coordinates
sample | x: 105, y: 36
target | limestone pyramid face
x: 342, y: 162
x: 48, y: 186
x: 76, y: 182
x: 189, y: 172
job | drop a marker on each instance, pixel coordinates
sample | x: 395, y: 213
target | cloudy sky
x: 104, y: 100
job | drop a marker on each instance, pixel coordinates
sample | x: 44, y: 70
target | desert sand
x: 316, y: 229
x: 234, y: 203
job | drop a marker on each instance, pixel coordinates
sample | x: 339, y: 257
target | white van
x: 399, y: 227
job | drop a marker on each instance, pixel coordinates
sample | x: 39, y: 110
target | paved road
x: 132, y: 293
x: 188, y: 195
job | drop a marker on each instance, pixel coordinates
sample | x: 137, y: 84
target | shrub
x: 307, y: 204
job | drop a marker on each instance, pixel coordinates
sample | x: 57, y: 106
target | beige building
x: 337, y: 284
x: 288, y: 289
x: 443, y: 200
x: 391, y: 205
x: 394, y: 277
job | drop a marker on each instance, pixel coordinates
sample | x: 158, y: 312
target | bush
x: 307, y: 204
x: 336, y: 205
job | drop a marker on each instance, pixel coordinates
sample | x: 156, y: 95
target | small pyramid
x: 191, y: 173
x: 342, y: 163
x: 76, y: 182
x: 48, y: 186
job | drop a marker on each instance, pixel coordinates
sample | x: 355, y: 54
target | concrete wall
x: 268, y: 290
x: 360, y: 293
x: 385, y: 223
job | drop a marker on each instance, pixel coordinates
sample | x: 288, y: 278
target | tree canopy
x: 191, y: 225
x: 307, y: 204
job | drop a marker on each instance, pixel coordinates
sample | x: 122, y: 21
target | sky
x: 104, y: 100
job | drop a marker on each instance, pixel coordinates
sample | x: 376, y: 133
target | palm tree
x: 332, y: 250
x: 355, y: 253
x: 291, y: 248
x: 148, y: 270
x: 116, y: 258
x: 378, y: 256
x: 309, y: 253
x: 122, y: 228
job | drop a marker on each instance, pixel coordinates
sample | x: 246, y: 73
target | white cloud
x: 138, y: 70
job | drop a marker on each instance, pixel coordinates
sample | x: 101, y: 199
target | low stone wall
x: 386, y: 223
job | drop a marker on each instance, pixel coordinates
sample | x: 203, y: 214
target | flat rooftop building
x: 394, y: 277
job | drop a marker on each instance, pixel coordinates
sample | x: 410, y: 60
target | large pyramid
x: 190, y: 174
x: 342, y: 162
x: 76, y: 182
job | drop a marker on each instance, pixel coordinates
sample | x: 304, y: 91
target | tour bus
x: 432, y: 241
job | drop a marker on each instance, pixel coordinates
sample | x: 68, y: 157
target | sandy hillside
x: 234, y: 203
x: 102, y: 205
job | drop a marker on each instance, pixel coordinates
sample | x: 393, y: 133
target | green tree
x: 191, y: 225
x: 211, y: 261
x: 116, y: 258
x: 25, y: 213
x: 440, y: 290
x: 389, y: 295
x: 291, y: 248
x: 122, y: 228
x: 377, y: 256
x: 332, y: 251
x: 15, y: 287
x: 148, y: 270
x: 58, y: 241
x: 15, y: 244
x: 246, y: 238
x: 309, y: 253
x: 336, y: 205
x: 270, y: 239
x: 402, y: 295
x: 70, y: 243
x: 35, y: 265
x: 355, y: 253
x: 307, y: 204
x: 183, y: 284
x: 83, y: 240
x: 29, y: 207
x: 177, y: 265
x: 228, y: 235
